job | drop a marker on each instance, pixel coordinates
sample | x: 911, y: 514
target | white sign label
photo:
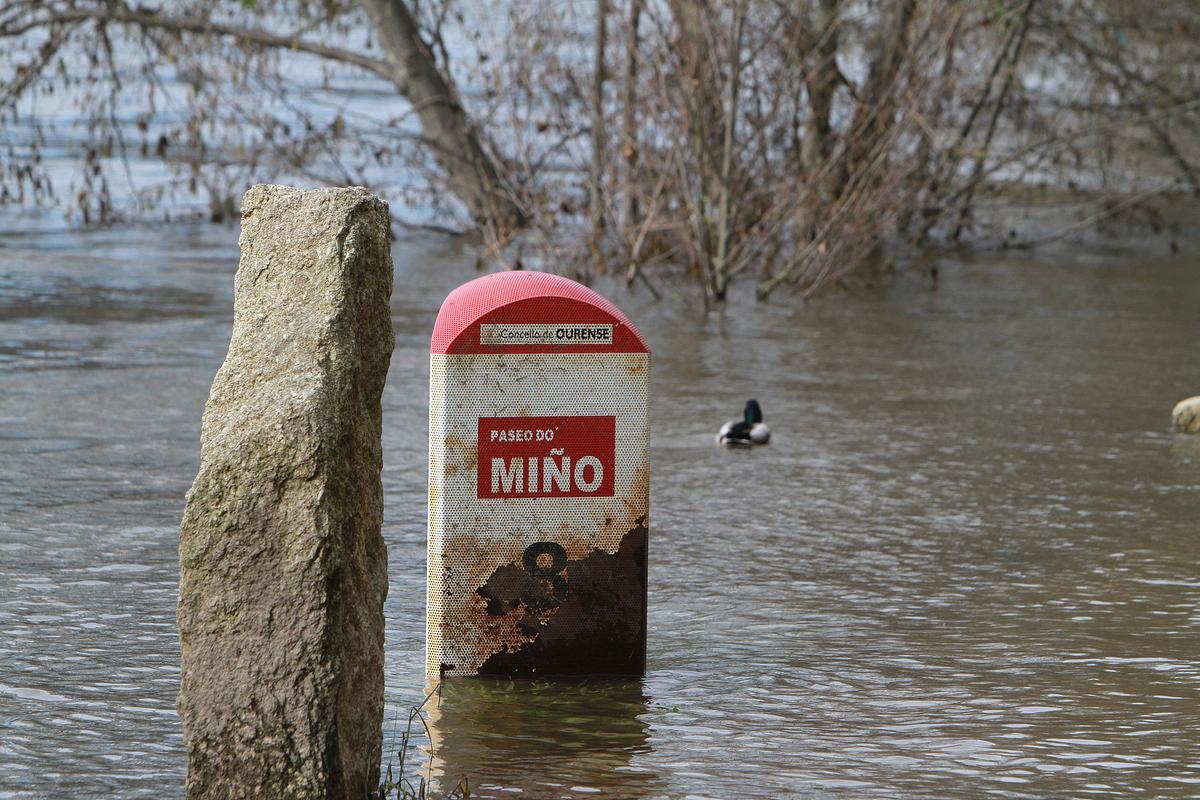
x: 519, y: 334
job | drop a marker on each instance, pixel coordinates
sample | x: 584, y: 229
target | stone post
x: 1186, y: 415
x: 283, y: 571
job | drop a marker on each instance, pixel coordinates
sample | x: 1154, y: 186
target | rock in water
x: 1186, y: 415
x: 283, y: 570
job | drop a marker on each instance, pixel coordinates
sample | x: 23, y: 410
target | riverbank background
x: 964, y: 566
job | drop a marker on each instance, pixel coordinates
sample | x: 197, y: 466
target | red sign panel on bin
x: 530, y: 457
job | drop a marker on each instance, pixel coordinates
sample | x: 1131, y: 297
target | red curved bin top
x: 534, y: 299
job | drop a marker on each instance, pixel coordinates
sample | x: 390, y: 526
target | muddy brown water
x: 966, y: 565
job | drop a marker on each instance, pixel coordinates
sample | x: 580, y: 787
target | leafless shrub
x: 789, y: 140
x: 779, y: 141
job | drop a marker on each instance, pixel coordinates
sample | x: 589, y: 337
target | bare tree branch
x: 151, y: 19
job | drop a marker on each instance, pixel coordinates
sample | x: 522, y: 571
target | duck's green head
x: 753, y: 413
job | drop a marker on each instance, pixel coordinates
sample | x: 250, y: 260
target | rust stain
x: 505, y: 631
x: 639, y: 490
x: 489, y: 577
x: 460, y: 455
x: 592, y: 622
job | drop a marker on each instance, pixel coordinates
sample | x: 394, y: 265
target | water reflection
x: 542, y: 738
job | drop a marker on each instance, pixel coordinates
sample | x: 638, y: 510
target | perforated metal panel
x: 538, y: 497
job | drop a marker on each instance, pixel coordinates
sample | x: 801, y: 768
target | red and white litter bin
x: 538, y: 482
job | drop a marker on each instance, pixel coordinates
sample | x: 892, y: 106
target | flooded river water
x: 966, y: 565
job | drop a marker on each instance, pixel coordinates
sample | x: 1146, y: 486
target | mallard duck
x: 749, y: 430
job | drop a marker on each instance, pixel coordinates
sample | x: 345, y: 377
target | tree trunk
x: 877, y: 99
x: 472, y: 174
x: 700, y: 72
x: 599, y: 138
x: 629, y: 137
x: 721, y: 267
x: 822, y: 83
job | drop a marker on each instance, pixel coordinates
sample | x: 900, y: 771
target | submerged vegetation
x: 776, y: 142
x: 395, y: 783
